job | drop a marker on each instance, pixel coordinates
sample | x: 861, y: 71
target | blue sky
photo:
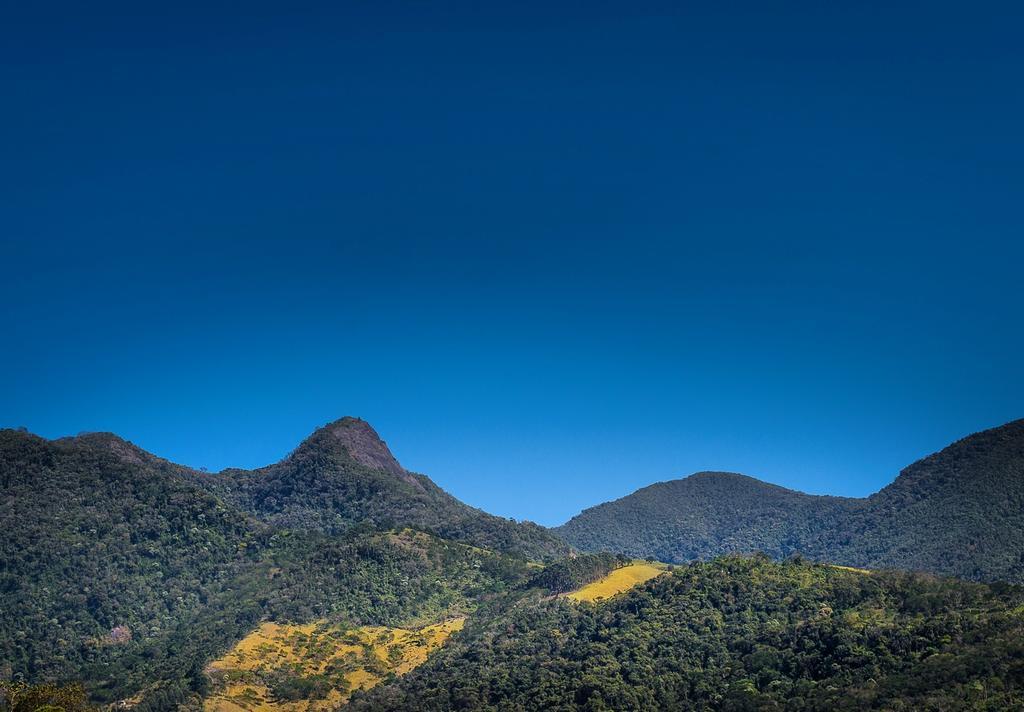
x: 552, y: 252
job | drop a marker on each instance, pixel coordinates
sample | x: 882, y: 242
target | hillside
x: 316, y: 667
x: 736, y: 634
x: 958, y: 512
x: 131, y: 573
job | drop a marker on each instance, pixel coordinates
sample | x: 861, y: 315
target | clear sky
x: 553, y: 252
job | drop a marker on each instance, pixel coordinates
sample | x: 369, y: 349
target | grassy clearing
x: 264, y: 670
x: 850, y: 568
x: 619, y: 580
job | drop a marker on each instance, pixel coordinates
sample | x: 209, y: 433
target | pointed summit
x: 359, y: 441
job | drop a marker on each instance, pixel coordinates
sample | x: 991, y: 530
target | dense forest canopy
x: 736, y: 634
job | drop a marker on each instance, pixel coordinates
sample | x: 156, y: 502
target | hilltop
x: 704, y: 515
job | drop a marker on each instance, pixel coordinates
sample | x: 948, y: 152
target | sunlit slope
x: 737, y: 633
x: 854, y: 569
x: 317, y: 666
x: 619, y: 580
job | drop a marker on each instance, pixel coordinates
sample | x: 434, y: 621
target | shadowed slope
x: 959, y: 511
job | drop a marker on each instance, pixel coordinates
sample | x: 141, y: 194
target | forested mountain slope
x: 102, y: 547
x: 958, y: 512
x: 131, y: 573
x: 736, y: 634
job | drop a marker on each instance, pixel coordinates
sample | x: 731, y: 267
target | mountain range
x: 132, y: 574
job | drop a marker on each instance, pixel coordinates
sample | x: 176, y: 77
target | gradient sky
x: 553, y: 252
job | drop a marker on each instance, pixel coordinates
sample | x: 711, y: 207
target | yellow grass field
x: 617, y: 581
x: 348, y: 659
x: 850, y: 568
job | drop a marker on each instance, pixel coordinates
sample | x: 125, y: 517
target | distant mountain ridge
x: 724, y: 510
x: 958, y: 512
